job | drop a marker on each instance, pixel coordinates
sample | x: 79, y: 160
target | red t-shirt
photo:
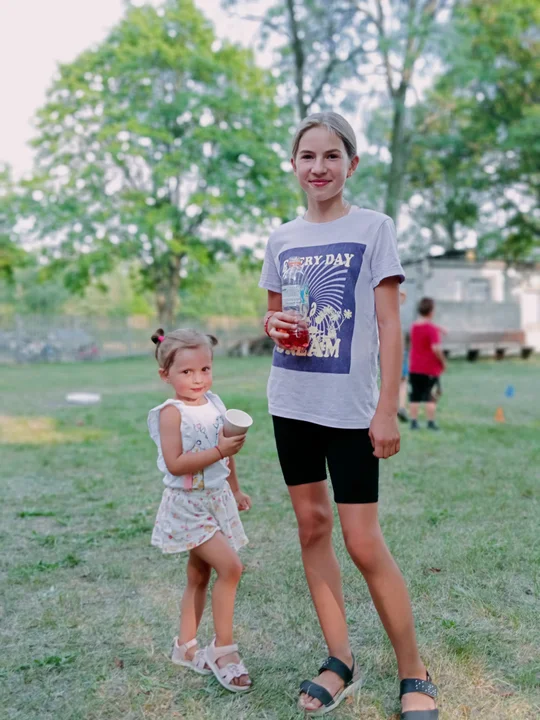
x: 422, y: 359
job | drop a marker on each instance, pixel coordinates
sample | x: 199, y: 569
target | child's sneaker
x: 414, y: 425
x: 432, y: 425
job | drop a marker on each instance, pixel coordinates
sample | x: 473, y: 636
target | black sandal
x: 350, y: 676
x: 426, y: 687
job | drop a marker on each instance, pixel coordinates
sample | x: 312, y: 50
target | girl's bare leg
x: 193, y: 600
x: 366, y: 546
x: 218, y: 554
x: 314, y: 515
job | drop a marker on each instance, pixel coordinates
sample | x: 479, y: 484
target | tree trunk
x: 167, y: 295
x: 298, y: 53
x: 165, y: 310
x: 398, y: 149
x: 451, y: 230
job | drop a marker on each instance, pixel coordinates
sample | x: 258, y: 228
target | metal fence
x: 68, y: 338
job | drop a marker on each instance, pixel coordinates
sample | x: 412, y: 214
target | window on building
x: 478, y: 290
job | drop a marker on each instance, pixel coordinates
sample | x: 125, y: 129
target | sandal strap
x: 219, y: 652
x: 199, y: 659
x: 416, y: 685
x: 232, y: 671
x: 187, y: 645
x: 317, y: 691
x: 338, y: 667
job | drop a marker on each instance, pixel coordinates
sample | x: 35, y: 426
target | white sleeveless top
x: 200, y: 429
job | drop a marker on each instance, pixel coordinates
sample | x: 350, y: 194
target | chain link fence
x: 66, y: 338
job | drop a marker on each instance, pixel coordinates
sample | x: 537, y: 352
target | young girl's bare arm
x: 388, y: 321
x: 384, y: 432
x: 243, y: 500
x: 180, y: 463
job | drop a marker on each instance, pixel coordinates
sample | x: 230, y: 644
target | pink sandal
x: 226, y: 675
x: 197, y: 663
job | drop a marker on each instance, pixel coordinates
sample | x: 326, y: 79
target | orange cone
x: 499, y: 415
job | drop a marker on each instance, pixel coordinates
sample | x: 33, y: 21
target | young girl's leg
x: 218, y: 554
x: 193, y: 600
x: 314, y: 516
x: 366, y: 546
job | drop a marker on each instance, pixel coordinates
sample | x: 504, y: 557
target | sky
x: 36, y: 35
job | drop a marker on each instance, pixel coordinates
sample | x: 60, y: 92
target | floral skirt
x: 187, y: 519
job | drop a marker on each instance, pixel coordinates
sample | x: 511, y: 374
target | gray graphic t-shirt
x: 333, y: 382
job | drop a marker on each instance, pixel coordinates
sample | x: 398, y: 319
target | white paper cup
x: 236, y: 422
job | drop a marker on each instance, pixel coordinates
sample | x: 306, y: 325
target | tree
x: 156, y: 146
x: 318, y: 46
x: 478, y: 148
x: 405, y: 32
x: 350, y: 44
x: 29, y: 293
x: 219, y: 295
x: 12, y: 255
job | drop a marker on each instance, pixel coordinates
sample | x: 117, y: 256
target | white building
x: 484, y: 305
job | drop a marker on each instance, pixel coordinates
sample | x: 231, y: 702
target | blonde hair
x: 168, y: 344
x: 334, y: 123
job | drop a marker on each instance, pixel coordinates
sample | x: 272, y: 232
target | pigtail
x: 168, y: 344
x: 158, y: 336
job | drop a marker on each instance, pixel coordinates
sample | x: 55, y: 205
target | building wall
x: 529, y: 298
x: 476, y: 297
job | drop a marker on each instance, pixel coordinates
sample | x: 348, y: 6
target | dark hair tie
x: 158, y: 337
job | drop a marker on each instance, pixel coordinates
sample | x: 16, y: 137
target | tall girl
x: 327, y: 410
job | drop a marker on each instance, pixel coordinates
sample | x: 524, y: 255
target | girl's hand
x: 230, y: 446
x: 279, y: 326
x: 384, y: 435
x: 243, y: 501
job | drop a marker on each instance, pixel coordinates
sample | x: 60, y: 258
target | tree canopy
x: 476, y: 157
x: 156, y: 146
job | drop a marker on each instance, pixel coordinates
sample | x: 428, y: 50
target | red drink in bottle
x: 297, y: 339
x: 295, y: 301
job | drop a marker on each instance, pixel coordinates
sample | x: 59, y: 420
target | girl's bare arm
x: 180, y: 463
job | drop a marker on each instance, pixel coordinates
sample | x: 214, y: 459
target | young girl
x: 323, y: 398
x: 199, y: 509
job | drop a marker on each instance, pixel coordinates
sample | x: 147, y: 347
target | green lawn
x: 88, y: 608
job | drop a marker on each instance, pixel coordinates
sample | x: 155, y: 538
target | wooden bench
x: 497, y: 342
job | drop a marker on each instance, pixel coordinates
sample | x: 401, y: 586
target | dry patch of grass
x: 21, y: 430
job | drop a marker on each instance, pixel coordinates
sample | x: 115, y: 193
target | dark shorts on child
x: 305, y: 449
x: 421, y: 388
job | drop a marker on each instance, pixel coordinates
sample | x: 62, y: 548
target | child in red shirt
x: 426, y: 363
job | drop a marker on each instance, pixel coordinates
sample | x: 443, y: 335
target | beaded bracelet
x: 267, y: 320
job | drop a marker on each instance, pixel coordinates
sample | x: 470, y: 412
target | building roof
x: 467, y: 258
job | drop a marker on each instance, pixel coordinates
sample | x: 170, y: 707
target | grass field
x: 88, y: 608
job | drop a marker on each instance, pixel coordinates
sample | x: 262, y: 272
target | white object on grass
x: 83, y: 398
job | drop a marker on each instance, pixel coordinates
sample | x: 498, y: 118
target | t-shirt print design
x: 196, y: 480
x: 332, y: 273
